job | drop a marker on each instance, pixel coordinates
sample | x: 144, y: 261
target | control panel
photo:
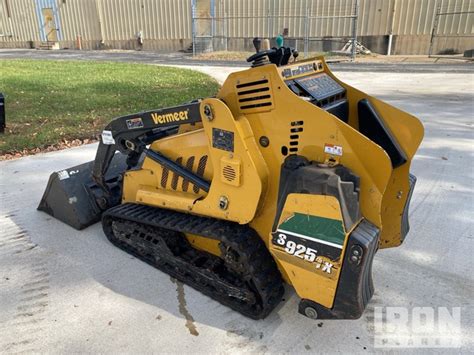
x: 309, y: 81
x: 320, y: 86
x: 297, y: 70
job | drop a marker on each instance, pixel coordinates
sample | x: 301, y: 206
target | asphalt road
x: 145, y: 57
x: 66, y: 291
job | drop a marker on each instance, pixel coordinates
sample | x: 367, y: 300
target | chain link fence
x: 226, y: 30
x: 449, y: 31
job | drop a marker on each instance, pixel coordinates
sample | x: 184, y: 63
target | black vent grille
x: 164, y: 176
x: 295, y: 131
x: 175, y: 178
x: 254, y: 95
x: 189, y: 166
x: 174, y: 181
x: 229, y: 173
x: 200, y: 170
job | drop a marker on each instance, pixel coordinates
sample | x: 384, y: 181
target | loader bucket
x: 71, y: 194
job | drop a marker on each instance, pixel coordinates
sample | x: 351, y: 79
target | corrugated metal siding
x: 414, y: 17
x: 80, y: 18
x: 374, y: 17
x: 23, y: 23
x: 458, y: 23
x: 244, y: 18
x: 121, y: 19
x: 117, y: 22
x: 163, y: 19
x: 249, y: 18
x: 320, y: 25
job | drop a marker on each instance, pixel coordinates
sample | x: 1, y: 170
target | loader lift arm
x: 132, y: 133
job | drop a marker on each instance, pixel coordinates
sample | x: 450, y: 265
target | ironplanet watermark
x: 417, y: 327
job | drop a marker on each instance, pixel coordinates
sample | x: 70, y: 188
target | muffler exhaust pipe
x: 74, y: 198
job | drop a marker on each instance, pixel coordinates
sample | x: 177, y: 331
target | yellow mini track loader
x: 287, y: 175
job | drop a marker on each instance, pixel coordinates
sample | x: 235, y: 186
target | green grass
x: 49, y: 102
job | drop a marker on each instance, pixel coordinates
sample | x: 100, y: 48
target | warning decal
x: 333, y: 149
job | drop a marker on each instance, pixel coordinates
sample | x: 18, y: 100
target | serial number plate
x: 223, y: 140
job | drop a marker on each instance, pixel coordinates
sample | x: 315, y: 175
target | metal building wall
x: 167, y: 24
x: 249, y: 18
x: 413, y: 23
x: 244, y: 18
x: 18, y: 23
x: 163, y: 20
x: 410, y: 17
x: 79, y: 18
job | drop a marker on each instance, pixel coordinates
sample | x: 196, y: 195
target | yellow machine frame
x: 245, y: 182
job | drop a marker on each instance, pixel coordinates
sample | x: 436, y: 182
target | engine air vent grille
x: 295, y: 131
x: 254, y: 96
x: 174, y: 181
x: 189, y: 166
x: 200, y: 170
x: 164, y: 176
x: 228, y: 172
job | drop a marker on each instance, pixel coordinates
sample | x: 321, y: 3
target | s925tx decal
x: 311, y: 238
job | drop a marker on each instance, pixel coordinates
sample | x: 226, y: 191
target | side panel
x: 408, y: 132
x: 295, y: 126
x: 238, y: 175
x: 240, y: 171
x: 188, y: 149
x: 309, y: 245
x: 355, y: 287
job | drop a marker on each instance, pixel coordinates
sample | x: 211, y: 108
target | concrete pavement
x: 62, y: 290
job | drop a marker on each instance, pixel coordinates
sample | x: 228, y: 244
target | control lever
x: 277, y: 55
x: 258, y: 58
x: 257, y: 42
x: 295, y: 55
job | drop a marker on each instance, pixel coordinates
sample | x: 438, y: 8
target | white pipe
x: 390, y: 30
x: 389, y: 49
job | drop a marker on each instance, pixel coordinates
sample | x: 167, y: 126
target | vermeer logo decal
x: 170, y: 117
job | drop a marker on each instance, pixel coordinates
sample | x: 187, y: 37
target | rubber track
x: 260, y: 266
